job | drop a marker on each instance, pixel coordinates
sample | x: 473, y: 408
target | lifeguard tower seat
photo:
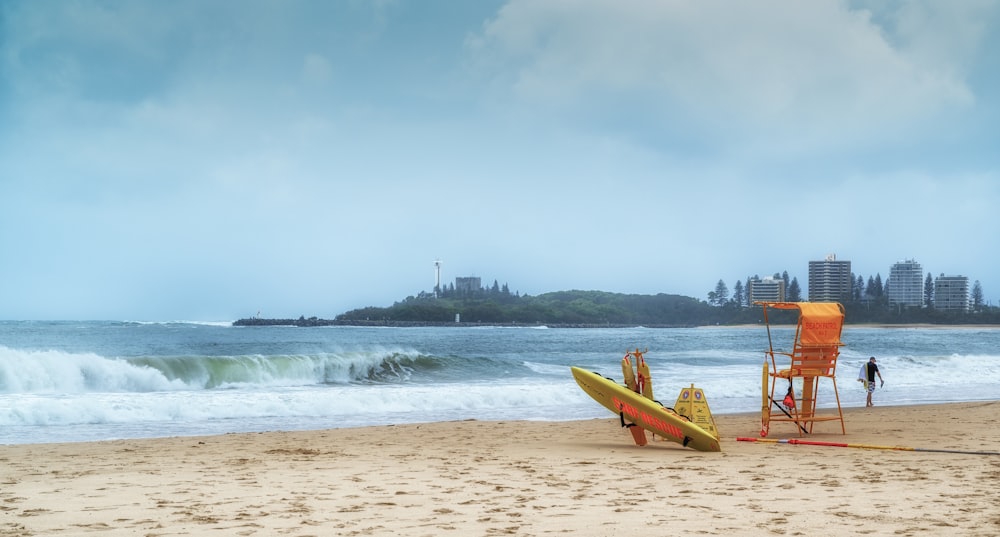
x: 813, y: 356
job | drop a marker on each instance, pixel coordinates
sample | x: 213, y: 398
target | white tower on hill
x: 437, y: 277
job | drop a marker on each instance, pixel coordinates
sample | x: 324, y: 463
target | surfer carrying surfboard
x: 871, y: 370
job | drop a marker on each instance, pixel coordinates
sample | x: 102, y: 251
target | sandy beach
x: 520, y: 478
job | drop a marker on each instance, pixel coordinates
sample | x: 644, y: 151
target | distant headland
x: 593, y: 309
x: 314, y: 321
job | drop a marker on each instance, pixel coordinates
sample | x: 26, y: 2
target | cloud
x: 773, y: 78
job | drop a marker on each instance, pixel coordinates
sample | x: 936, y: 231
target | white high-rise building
x: 906, y: 284
x: 951, y: 293
x: 767, y: 290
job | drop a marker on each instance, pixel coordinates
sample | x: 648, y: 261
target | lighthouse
x: 437, y: 277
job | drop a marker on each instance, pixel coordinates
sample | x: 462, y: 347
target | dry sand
x: 519, y: 478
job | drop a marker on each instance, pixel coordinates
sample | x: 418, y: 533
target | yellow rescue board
x: 628, y: 373
x: 692, y: 404
x: 643, y: 412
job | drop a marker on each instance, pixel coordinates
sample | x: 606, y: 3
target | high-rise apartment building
x: 830, y: 280
x: 906, y: 284
x: 951, y: 293
x: 767, y: 290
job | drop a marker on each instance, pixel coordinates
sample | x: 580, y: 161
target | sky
x: 212, y: 160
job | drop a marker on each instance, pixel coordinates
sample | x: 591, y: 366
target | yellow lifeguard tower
x: 813, y: 356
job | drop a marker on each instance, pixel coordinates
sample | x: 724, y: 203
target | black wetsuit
x: 872, y: 369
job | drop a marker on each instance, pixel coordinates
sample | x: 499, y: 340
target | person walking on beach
x: 872, y: 370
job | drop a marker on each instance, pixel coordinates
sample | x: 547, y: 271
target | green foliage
x: 739, y: 300
x: 592, y: 308
x: 794, y: 292
x: 720, y: 296
x: 977, y: 296
x: 929, y: 291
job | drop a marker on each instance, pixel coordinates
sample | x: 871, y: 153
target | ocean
x: 84, y: 381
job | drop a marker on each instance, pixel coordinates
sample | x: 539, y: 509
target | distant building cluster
x: 830, y: 280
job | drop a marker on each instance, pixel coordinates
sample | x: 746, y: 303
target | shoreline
x: 315, y: 322
x: 519, y: 478
x: 719, y: 416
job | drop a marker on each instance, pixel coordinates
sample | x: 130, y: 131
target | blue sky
x: 206, y: 160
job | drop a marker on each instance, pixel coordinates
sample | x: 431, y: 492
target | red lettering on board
x: 647, y: 419
x: 663, y: 425
x: 624, y: 408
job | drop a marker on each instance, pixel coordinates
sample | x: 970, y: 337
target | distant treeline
x: 597, y: 308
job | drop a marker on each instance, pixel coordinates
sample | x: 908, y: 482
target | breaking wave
x: 64, y: 372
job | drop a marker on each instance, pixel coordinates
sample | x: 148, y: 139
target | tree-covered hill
x: 560, y: 308
x: 598, y: 308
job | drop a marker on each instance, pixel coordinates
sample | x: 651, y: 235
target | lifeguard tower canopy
x: 820, y: 323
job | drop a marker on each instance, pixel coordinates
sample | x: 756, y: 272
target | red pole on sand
x: 859, y: 446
